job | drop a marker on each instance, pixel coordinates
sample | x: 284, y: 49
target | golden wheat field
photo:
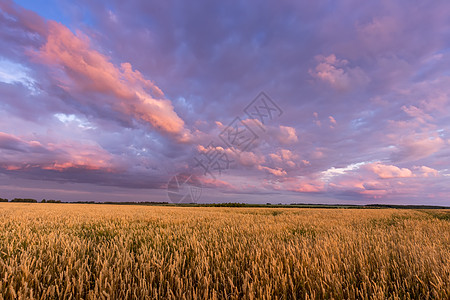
x: 76, y: 251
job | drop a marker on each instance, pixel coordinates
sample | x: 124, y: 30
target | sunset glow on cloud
x: 114, y: 99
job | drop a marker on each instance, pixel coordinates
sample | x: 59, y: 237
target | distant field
x: 122, y: 252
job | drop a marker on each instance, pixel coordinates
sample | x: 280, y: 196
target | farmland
x: 93, y: 251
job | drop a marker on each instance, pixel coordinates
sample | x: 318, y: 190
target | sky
x: 247, y: 101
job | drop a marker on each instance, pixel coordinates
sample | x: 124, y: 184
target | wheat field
x: 76, y: 251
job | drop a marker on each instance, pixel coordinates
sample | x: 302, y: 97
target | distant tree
x: 27, y: 200
x: 230, y: 204
x: 43, y: 201
x: 3, y: 200
x: 53, y: 201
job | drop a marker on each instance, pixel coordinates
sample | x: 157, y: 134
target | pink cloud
x: 250, y: 159
x: 19, y: 154
x: 389, y: 171
x: 418, y: 146
x: 273, y: 171
x: 216, y: 183
x: 284, y: 157
x: 385, y: 52
x: 11, y: 142
x: 425, y: 171
x: 298, y: 184
x: 337, y: 73
x: 417, y: 113
x: 381, y: 181
x: 27, y: 18
x: 287, y: 135
x: 304, y: 185
x: 375, y: 194
x: 332, y: 120
x: 81, y: 68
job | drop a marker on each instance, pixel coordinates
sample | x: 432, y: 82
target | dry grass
x: 121, y: 252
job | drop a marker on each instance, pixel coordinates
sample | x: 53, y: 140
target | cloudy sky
x: 262, y: 101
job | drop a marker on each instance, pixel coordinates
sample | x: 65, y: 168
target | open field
x: 123, y: 252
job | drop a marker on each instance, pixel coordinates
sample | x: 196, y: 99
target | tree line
x: 29, y: 200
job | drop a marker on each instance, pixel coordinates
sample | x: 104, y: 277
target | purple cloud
x: 127, y: 95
